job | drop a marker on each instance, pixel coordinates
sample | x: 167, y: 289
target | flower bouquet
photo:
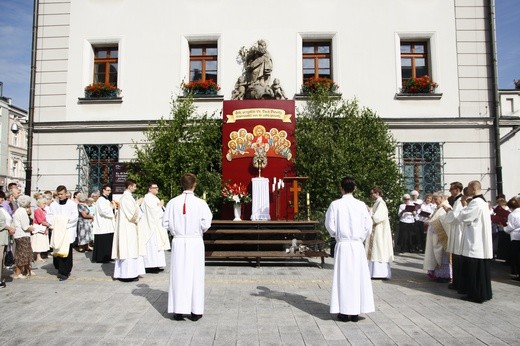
x: 101, y: 90
x: 207, y: 87
x: 235, y: 193
x: 420, y: 85
x: 313, y: 85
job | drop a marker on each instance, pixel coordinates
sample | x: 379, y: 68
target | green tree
x: 185, y: 142
x: 335, y: 138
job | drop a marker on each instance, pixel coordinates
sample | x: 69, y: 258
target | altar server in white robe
x: 477, y: 247
x: 154, y: 234
x: 455, y: 233
x: 128, y: 247
x: 63, y: 217
x: 379, y: 247
x: 348, y: 220
x: 187, y: 217
x: 104, y: 227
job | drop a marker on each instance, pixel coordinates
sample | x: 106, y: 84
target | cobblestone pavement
x: 275, y: 304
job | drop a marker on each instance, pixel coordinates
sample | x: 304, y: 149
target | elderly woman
x: 436, y: 259
x: 40, y: 238
x: 84, y: 223
x: 22, y: 238
x: 513, y: 228
x: 5, y: 231
x: 406, y: 224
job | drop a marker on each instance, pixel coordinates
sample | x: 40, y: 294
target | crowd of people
x: 456, y: 233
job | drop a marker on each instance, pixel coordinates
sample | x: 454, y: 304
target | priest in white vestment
x: 63, y: 217
x: 477, y: 246
x: 154, y: 234
x: 128, y: 247
x: 348, y: 220
x: 379, y: 246
x: 187, y: 217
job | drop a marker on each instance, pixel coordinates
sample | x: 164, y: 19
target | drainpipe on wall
x: 496, y: 99
x: 30, y: 120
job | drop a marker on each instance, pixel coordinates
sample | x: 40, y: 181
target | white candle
x: 274, y: 181
x: 204, y: 195
x: 283, y: 184
x: 274, y: 186
x: 279, y: 184
x: 308, y: 199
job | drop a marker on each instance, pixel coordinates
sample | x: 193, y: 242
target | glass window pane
x: 419, y: 48
x: 324, y: 49
x: 324, y: 63
x: 308, y: 63
x: 421, y: 71
x: 113, y: 68
x: 112, y: 78
x: 406, y: 62
x: 405, y: 48
x: 195, y: 74
x: 420, y: 62
x: 101, y: 53
x: 308, y: 49
x: 406, y: 72
x: 195, y: 51
x: 99, y: 78
x: 195, y: 65
x: 211, y: 65
x: 211, y: 75
x: 100, y: 68
x: 114, y: 53
x: 211, y: 51
x: 308, y: 71
x: 324, y: 73
x: 307, y: 75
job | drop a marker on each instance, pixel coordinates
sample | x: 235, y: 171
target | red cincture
x: 184, y: 205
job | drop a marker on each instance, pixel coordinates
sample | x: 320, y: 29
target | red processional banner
x: 252, y: 125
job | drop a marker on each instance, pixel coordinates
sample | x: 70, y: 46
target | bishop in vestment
x: 154, y: 234
x: 187, y: 217
x: 348, y: 220
x: 128, y: 247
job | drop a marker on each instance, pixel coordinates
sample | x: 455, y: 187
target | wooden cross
x: 295, y: 189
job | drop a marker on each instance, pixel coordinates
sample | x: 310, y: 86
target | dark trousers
x: 456, y: 263
x: 63, y: 264
x: 515, y: 257
x: 420, y: 239
x: 405, y: 236
x: 476, y: 279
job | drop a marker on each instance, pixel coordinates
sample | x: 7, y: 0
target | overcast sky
x: 16, y: 28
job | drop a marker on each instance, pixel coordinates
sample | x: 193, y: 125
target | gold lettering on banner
x: 259, y: 113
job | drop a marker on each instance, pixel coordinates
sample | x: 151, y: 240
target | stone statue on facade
x: 255, y: 82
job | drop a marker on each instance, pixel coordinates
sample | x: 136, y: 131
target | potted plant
x: 419, y: 85
x: 101, y: 90
x: 207, y: 87
x: 313, y: 85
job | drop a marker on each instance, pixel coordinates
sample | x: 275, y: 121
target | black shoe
x: 63, y: 277
x: 178, y: 317
x: 354, y: 318
x: 343, y: 317
x: 195, y: 317
x: 151, y: 270
x: 2, y: 284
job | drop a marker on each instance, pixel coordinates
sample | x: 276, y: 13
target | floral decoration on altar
x: 260, y: 159
x: 235, y: 193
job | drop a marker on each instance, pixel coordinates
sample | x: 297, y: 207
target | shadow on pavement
x: 154, y: 298
x: 300, y: 302
x: 108, y: 268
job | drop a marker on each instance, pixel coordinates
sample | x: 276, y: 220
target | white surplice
x: 348, y: 220
x: 379, y: 247
x: 476, y: 236
x: 128, y: 247
x: 104, y: 221
x: 68, y: 210
x: 455, y: 228
x: 154, y: 234
x: 187, y: 217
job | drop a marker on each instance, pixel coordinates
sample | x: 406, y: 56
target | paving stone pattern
x: 275, y: 304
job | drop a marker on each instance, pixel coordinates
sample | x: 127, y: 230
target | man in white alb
x: 154, y: 234
x: 128, y: 247
x: 187, y: 217
x: 348, y: 220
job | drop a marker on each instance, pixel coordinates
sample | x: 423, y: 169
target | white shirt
x: 513, y: 224
x: 406, y: 216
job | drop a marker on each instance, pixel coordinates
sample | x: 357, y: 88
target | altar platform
x: 268, y: 240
